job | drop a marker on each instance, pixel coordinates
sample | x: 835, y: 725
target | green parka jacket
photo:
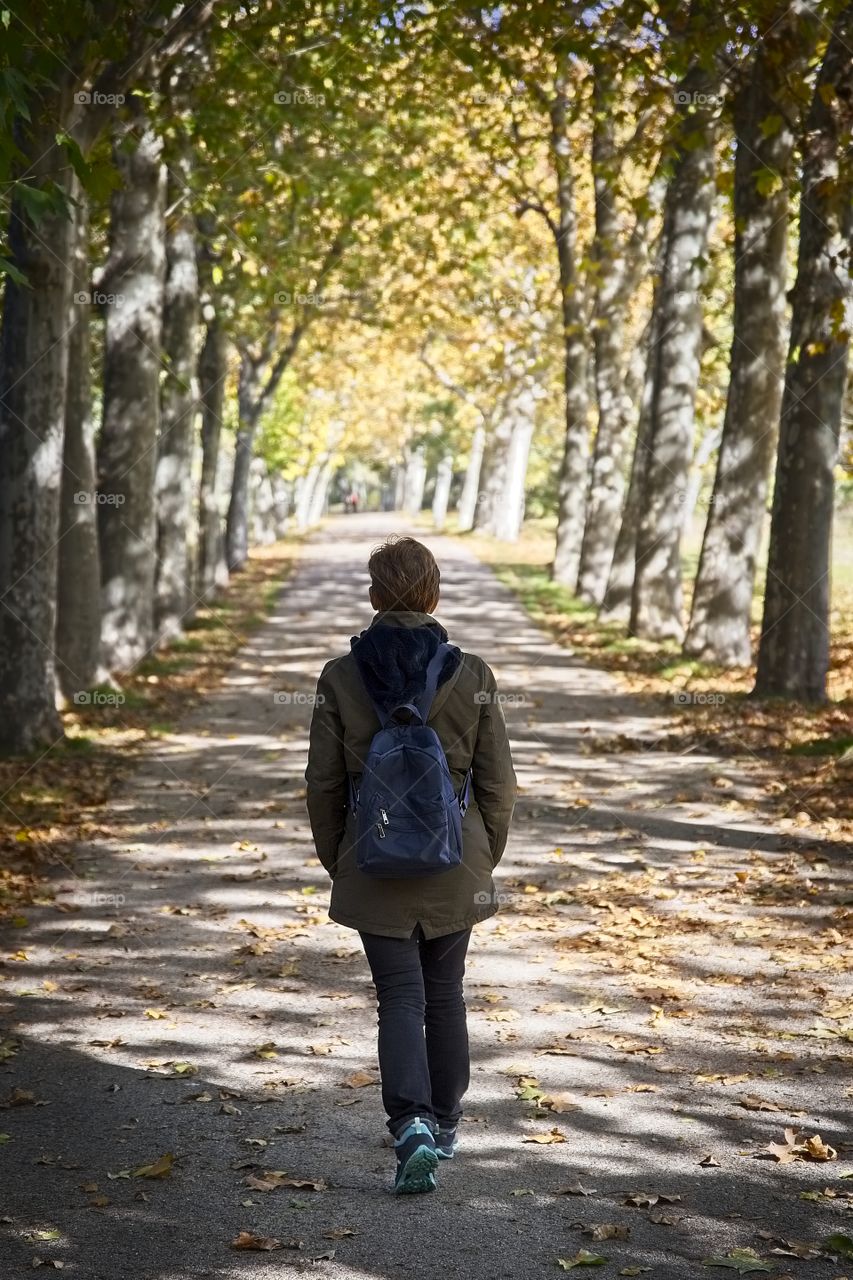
x: 468, y: 718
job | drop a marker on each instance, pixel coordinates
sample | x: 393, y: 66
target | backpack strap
x: 464, y: 796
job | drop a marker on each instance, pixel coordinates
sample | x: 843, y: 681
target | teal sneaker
x: 417, y: 1159
x: 446, y: 1142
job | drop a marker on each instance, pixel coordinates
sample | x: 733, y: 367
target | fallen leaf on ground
x: 607, y: 1231
x: 159, y: 1169
x: 753, y: 1103
x: 709, y: 1162
x: 264, y: 1244
x: 740, y: 1260
x: 554, y: 1135
x: 799, y: 1147
x: 644, y: 1200
x: 358, y: 1080
x: 338, y: 1233
x: 575, y: 1189
x: 583, y: 1258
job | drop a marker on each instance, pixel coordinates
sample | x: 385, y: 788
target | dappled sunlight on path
x: 667, y: 968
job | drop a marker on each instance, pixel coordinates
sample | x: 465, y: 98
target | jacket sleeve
x: 326, y: 774
x: 493, y: 776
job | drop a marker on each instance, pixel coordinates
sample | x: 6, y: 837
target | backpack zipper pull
x: 381, y: 830
x: 384, y: 816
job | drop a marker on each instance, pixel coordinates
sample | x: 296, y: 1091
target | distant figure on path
x: 410, y: 795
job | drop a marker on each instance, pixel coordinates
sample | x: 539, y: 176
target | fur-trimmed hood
x: 393, y: 653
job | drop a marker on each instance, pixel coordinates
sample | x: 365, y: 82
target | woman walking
x: 410, y: 794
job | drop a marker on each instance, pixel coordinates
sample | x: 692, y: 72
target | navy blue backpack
x: 408, y: 815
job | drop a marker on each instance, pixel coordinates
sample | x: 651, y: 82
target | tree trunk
x: 471, y: 485
x: 616, y: 410
x: 212, y: 371
x: 441, y: 496
x: 415, y: 482
x: 262, y: 505
x: 705, y: 450
x: 719, y: 630
x: 793, y: 655
x: 493, y: 476
x: 572, y: 483
x: 305, y: 487
x: 237, y: 523
x: 656, y: 601
x: 127, y: 450
x: 319, y: 493
x: 508, y: 517
x: 616, y: 605
x: 33, y: 373
x: 282, y: 491
x: 78, y: 619
x: 178, y: 403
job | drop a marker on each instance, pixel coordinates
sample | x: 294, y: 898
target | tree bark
x: 719, y: 630
x: 793, y: 655
x: 493, y: 475
x: 415, y: 482
x: 471, y: 485
x: 282, y: 497
x: 33, y: 374
x: 656, y: 601
x: 509, y: 515
x: 78, y: 619
x: 617, y: 262
x: 572, y: 482
x: 249, y: 394
x: 705, y: 450
x: 178, y: 403
x: 441, y: 495
x: 616, y: 605
x: 127, y: 450
x: 262, y: 505
x: 212, y: 370
x: 319, y: 493
x: 305, y: 487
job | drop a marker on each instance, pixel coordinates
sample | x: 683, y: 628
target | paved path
x: 662, y: 955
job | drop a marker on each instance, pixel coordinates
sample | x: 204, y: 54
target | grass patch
x: 801, y: 744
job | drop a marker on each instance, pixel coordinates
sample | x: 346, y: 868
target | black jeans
x: 423, y: 1035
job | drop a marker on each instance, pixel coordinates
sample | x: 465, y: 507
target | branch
x: 448, y: 383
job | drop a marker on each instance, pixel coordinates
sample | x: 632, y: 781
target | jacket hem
x: 385, y: 930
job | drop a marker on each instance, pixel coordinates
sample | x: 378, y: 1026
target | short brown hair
x: 404, y: 575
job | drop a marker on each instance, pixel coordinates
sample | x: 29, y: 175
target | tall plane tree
x: 765, y: 108
x: 793, y: 656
